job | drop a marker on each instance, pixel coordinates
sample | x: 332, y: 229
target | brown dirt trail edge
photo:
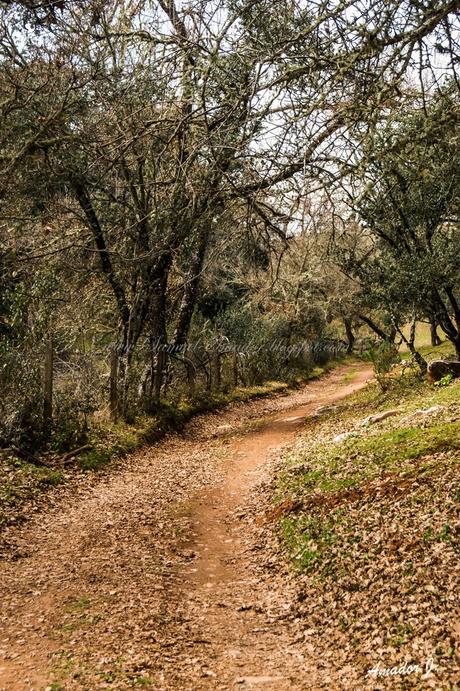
x: 153, y: 576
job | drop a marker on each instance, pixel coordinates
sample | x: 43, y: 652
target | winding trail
x: 153, y: 576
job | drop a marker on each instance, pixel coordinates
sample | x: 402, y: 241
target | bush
x: 384, y: 357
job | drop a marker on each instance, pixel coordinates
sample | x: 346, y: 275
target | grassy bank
x: 369, y: 517
x: 22, y: 483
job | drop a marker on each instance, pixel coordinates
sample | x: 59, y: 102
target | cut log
x: 378, y: 417
x: 76, y: 452
x: 437, y: 369
x: 325, y: 410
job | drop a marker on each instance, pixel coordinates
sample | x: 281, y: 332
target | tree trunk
x: 350, y: 335
x: 191, y: 379
x: 124, y: 366
x: 158, y: 338
x: 456, y: 343
x: 390, y: 337
x: 190, y: 291
x: 421, y: 362
x: 419, y: 359
x: 159, y: 375
x: 208, y: 372
x: 435, y: 340
x: 442, y: 317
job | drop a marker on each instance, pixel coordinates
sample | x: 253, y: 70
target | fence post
x: 235, y: 368
x: 114, y: 384
x: 217, y: 371
x: 191, y: 380
x: 48, y: 386
x: 159, y: 373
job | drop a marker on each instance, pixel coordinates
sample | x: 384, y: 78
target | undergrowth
x: 22, y: 482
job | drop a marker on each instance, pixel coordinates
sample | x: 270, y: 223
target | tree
x: 131, y: 132
x: 410, y: 211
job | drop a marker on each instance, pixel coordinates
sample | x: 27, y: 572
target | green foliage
x: 51, y: 478
x: 80, y: 604
x: 384, y: 357
x: 445, y: 381
x: 143, y: 681
x: 391, y: 448
x: 410, y: 208
x: 95, y: 459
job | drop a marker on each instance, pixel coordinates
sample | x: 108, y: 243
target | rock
x: 422, y: 413
x: 222, y: 430
x: 430, y: 411
x: 437, y: 369
x: 378, y: 417
x: 343, y: 436
x: 325, y: 409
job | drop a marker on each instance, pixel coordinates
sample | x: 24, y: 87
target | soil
x: 154, y: 576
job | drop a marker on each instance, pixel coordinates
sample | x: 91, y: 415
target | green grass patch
x: 143, y: 681
x: 350, y: 376
x: 391, y: 448
x: 50, y: 478
x: 80, y: 604
x: 408, y: 392
x: 318, y: 471
x: 308, y: 539
x: 349, y: 463
x: 423, y: 342
x: 97, y: 458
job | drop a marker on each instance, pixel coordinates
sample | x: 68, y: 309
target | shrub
x: 384, y: 357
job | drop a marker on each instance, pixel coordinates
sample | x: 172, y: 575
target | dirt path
x: 154, y: 576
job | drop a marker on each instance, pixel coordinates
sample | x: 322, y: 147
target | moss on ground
x: 326, y: 479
